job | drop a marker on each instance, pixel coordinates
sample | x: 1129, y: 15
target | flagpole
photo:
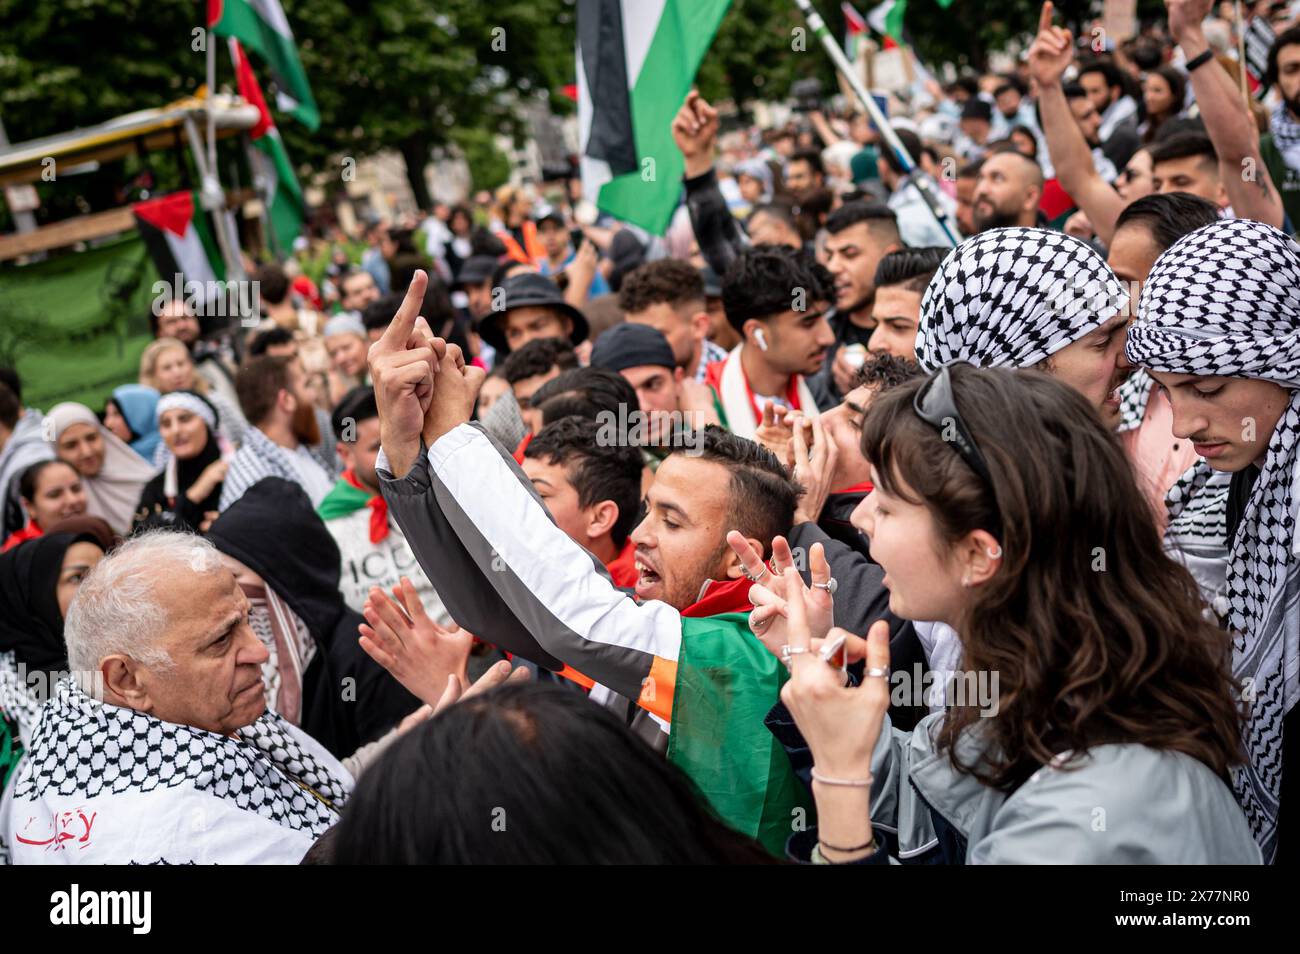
x: 926, y: 188
x: 214, y: 197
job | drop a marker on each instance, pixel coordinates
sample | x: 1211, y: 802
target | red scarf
x: 722, y: 596
x: 378, y: 508
x: 791, y: 395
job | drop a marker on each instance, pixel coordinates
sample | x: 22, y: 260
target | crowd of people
x: 796, y: 533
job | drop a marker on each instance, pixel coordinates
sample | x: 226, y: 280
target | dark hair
x: 31, y: 477
x: 379, y: 313
x: 1085, y: 658
x: 763, y: 493
x: 1183, y: 146
x: 664, y: 281
x: 1074, y: 91
x: 1108, y: 70
x: 910, y: 267
x: 402, y: 268
x: 761, y: 281
x: 1285, y: 38
x: 10, y: 407
x: 598, y: 469
x: 1177, y: 84
x: 1146, y: 55
x: 971, y: 170
x: 259, y: 382
x: 811, y: 156
x: 1168, y: 217
x: 537, y: 357
x: 273, y: 283
x: 911, y: 142
x: 583, y: 392
x: 570, y: 783
x: 778, y: 209
x: 357, y: 405
x: 1010, y: 82
x: 1024, y: 130
x: 269, y: 338
x: 885, y: 371
x: 9, y: 378
x: 1177, y: 90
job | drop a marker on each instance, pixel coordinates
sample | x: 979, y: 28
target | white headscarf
x: 113, y: 493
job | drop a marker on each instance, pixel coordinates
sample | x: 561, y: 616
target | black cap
x: 552, y: 216
x: 632, y: 345
x: 475, y: 269
x: 530, y: 290
x: 977, y: 108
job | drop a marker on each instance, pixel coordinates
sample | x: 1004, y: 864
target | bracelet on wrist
x: 869, y: 845
x: 846, y: 782
x: 1199, y: 60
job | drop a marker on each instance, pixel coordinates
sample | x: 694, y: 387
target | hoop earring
x: 995, y: 553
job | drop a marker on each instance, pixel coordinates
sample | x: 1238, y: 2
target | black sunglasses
x: 934, y: 404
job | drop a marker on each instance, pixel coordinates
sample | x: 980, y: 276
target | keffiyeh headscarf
x: 1012, y: 297
x: 1225, y: 300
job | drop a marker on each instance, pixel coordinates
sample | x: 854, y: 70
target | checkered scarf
x: 1012, y: 297
x: 1225, y: 300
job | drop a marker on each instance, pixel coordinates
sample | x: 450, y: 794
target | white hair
x: 116, y: 609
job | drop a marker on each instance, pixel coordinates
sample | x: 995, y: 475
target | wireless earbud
x: 760, y: 339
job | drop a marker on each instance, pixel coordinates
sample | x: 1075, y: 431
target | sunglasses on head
x: 934, y: 404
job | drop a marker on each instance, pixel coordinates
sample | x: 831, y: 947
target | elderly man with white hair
x: 159, y: 749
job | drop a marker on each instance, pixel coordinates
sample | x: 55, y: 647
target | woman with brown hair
x: 167, y: 366
x: 1094, y: 718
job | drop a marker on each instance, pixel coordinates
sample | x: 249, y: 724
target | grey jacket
x: 1122, y: 804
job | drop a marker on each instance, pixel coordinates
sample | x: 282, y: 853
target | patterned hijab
x: 1012, y: 297
x: 1225, y: 300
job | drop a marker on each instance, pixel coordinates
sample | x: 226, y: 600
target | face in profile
x: 681, y: 544
x: 214, y: 679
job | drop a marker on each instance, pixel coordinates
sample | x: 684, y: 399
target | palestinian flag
x: 636, y: 60
x: 177, y: 233
x: 854, y: 27
x: 725, y: 684
x: 262, y: 27
x: 285, y: 208
x: 887, y: 20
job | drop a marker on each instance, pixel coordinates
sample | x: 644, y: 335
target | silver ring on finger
x: 830, y: 586
x: 874, y: 672
x: 755, y: 577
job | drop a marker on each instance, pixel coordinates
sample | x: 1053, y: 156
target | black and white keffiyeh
x: 1012, y: 297
x: 106, y: 784
x: 1286, y: 135
x: 1225, y: 300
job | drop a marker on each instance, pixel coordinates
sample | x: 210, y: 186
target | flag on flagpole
x: 887, y: 19
x: 179, y: 239
x: 262, y: 27
x: 636, y: 60
x: 281, y: 194
x: 854, y: 26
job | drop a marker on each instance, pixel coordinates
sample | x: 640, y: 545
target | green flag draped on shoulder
x: 263, y: 28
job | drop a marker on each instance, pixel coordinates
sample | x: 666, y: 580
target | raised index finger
x: 1045, y: 17
x: 399, y: 329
